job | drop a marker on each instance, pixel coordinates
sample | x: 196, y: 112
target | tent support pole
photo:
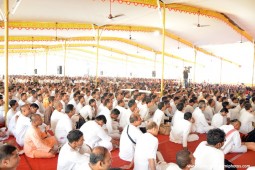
x: 195, y: 66
x: 253, y: 62
x: 97, y: 36
x: 6, y: 46
x: 220, y: 69
x: 163, y: 48
x: 46, y: 66
x: 65, y: 61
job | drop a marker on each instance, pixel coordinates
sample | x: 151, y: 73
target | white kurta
x: 233, y: 141
x: 22, y: 124
x: 209, y: 112
x: 178, y: 116
x: 180, y: 133
x: 218, y: 120
x: 56, y: 115
x: 235, y: 113
x: 124, y: 120
x: 200, y: 122
x: 208, y: 158
x: 86, y: 112
x: 70, y: 159
x: 63, y: 127
x: 146, y: 148
x: 246, y: 119
x: 95, y: 135
x: 127, y: 147
x: 158, y: 117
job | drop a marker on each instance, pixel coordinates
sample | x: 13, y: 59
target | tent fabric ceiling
x: 181, y: 24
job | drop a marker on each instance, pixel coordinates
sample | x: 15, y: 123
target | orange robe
x: 37, y: 144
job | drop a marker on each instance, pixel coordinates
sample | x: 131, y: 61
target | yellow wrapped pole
x: 195, y: 66
x: 253, y: 62
x: 163, y: 48
x: 6, y: 44
x: 97, y: 39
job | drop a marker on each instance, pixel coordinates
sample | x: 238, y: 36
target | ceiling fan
x: 110, y: 16
x: 198, y: 25
x: 130, y: 35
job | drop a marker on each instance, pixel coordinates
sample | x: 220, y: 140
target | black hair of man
x: 161, y: 105
x: 131, y: 103
x: 215, y: 136
x: 180, y: 106
x: 34, y: 105
x: 187, y: 115
x: 69, y: 108
x: 101, y: 118
x: 115, y: 112
x: 74, y: 135
x: 224, y: 110
x: 210, y: 101
x: 247, y: 106
x: 224, y: 104
x: 91, y: 101
x: 12, y: 102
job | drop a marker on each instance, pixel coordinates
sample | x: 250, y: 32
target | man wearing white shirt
x: 64, y: 125
x: 220, y: 118
x: 56, y: 115
x: 218, y: 104
x: 118, y: 97
x: 72, y: 156
x: 89, y: 111
x: 64, y: 100
x: 208, y: 154
x: 23, y: 99
x: 95, y: 134
x: 189, y: 106
x: 22, y: 124
x: 209, y: 110
x: 144, y: 109
x: 33, y: 97
x: 159, y: 115
x: 233, y: 141
x: 39, y: 102
x: 81, y: 103
x: 246, y: 119
x: 235, y: 112
x: 87, y: 97
x: 2, y: 112
x: 74, y: 100
x: 179, y: 114
x: 200, y: 122
x: 146, y: 149
x: 124, y: 120
x: 181, y: 131
x: 121, y: 108
x: 128, y: 140
x: 174, y: 103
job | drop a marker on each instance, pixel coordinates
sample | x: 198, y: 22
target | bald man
x: 39, y: 144
x: 100, y: 158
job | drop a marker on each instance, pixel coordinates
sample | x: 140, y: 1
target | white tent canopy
x: 132, y: 42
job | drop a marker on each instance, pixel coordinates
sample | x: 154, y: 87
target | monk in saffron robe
x: 38, y: 144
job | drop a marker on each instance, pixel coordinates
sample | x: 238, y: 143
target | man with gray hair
x: 100, y: 159
x: 200, y: 122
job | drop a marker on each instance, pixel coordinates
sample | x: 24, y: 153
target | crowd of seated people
x: 45, y: 113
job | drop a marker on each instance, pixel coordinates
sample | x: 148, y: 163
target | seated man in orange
x: 39, y: 144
